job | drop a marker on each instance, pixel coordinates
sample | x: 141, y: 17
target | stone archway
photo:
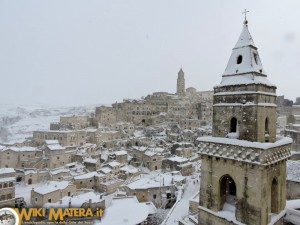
x: 227, y: 191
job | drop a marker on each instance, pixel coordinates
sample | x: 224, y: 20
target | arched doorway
x: 274, y: 196
x: 227, y: 191
x: 233, y: 125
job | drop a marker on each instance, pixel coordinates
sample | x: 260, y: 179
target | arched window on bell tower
x: 267, y: 129
x: 233, y: 125
x: 274, y: 196
x: 227, y: 192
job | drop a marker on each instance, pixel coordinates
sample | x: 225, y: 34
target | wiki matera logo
x: 8, y: 216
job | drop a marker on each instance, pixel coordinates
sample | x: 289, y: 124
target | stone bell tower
x: 181, y: 83
x: 243, y: 178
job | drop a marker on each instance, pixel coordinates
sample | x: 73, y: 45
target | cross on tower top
x: 245, y: 12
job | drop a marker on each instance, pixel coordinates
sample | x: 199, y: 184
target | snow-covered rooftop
x: 178, y: 159
x: 244, y: 65
x: 105, y: 170
x: 293, y: 170
x: 51, y: 142
x: 51, y: 186
x: 90, y: 160
x: 244, y: 79
x: 20, y: 149
x: 7, y: 179
x: 55, y: 147
x: 127, y: 210
x: 75, y: 201
x: 7, y: 170
x: 121, y: 152
x: 129, y: 169
x: 113, y: 164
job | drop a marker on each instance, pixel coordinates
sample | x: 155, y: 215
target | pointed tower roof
x: 245, y: 38
x: 244, y: 65
x: 180, y: 71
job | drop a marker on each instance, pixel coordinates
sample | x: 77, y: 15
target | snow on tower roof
x: 244, y: 79
x: 244, y: 65
x: 245, y: 38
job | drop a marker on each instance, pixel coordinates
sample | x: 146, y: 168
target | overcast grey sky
x: 78, y: 52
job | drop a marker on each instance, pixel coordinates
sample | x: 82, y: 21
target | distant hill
x: 18, y: 122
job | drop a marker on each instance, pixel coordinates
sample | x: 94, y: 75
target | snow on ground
x: 18, y: 122
x: 181, y: 209
x: 24, y: 191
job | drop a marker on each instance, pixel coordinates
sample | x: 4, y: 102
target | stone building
x: 64, y: 137
x: 17, y: 157
x: 176, y: 163
x: 56, y: 155
x: 110, y: 185
x: 71, y: 122
x: 105, y: 115
x: 160, y: 191
x: 149, y: 157
x: 51, y: 191
x: 243, y: 171
x: 7, y: 187
x: 120, y: 156
x: 293, y: 131
x: 293, y: 180
x: 89, y: 180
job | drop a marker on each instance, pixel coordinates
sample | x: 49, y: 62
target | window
x: 154, y: 196
x: 35, y: 199
x: 49, y: 200
x: 274, y: 196
x: 255, y: 57
x: 239, y: 59
x: 233, y: 125
x: 267, y: 125
x: 69, y: 193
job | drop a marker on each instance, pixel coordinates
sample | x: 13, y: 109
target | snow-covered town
x: 228, y: 155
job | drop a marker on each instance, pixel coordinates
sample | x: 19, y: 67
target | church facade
x: 243, y: 178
